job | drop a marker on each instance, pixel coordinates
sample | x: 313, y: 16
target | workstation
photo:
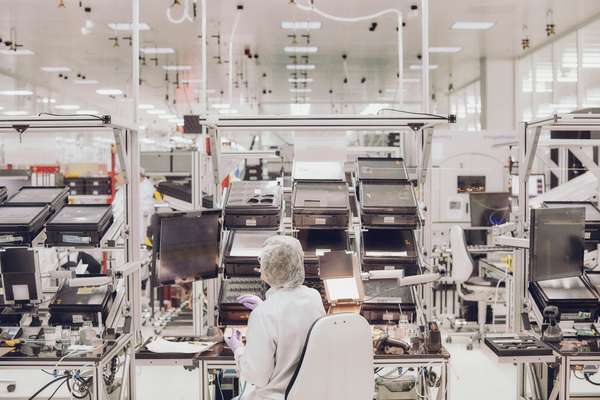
x: 371, y: 200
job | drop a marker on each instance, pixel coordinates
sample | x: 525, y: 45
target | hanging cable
x: 238, y: 14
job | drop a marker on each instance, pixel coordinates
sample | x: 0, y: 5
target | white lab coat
x: 277, y: 331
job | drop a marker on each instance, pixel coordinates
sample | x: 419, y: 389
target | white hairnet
x: 282, y: 262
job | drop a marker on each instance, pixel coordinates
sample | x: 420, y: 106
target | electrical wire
x: 47, y: 385
x: 57, y: 389
x: 587, y: 378
x: 71, y: 115
x: 412, y: 113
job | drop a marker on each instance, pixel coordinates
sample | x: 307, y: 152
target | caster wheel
x: 448, y: 339
x: 470, y: 346
x: 11, y: 388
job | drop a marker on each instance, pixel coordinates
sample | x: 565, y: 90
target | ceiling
x: 55, y: 36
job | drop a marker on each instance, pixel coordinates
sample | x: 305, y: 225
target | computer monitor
x: 488, y: 209
x: 21, y: 277
x: 556, y: 243
x: 188, y: 245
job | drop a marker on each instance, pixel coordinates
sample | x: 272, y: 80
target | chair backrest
x: 462, y: 262
x: 337, y: 361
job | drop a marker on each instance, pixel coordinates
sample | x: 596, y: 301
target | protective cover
x: 250, y: 204
x: 387, y: 204
x: 381, y: 169
x: 72, y: 306
x: 231, y: 312
x: 81, y: 225
x: 242, y: 251
x: 389, y: 249
x: 54, y: 196
x: 320, y: 205
x: 21, y: 224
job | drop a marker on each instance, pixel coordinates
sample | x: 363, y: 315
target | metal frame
x: 126, y: 139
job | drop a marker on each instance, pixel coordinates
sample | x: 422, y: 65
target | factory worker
x: 278, y: 327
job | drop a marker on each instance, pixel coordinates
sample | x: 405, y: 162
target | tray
x: 242, y: 250
x: 251, y: 204
x: 54, y: 196
x: 316, y: 242
x: 230, y: 311
x: 72, y: 306
x: 21, y: 224
x: 381, y: 169
x: 389, y: 249
x: 387, y: 205
x: 385, y: 301
x: 81, y: 225
x: 320, y: 205
x: 517, y: 346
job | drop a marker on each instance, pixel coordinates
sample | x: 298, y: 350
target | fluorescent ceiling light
x: 46, y: 100
x: 109, y: 92
x: 87, y: 112
x: 417, y: 67
x: 55, y: 69
x: 300, y: 67
x: 18, y: 52
x: 67, y: 107
x: 300, y: 109
x: 177, y: 67
x: 157, y: 50
x: 1, y: 108
x: 220, y: 106
x: 228, y: 111
x: 300, y: 80
x: 86, y: 82
x: 300, y: 24
x: 374, y: 108
x: 126, y: 26
x: 473, y: 25
x: 194, y: 80
x: 145, y: 106
x: 300, y: 49
x: 177, y: 121
x: 15, y: 93
x: 303, y: 90
x: 445, y: 49
x: 14, y: 113
x: 167, y: 116
x: 156, y: 112
x: 300, y: 99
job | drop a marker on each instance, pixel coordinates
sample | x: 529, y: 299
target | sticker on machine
x: 10, y: 238
x: 76, y: 239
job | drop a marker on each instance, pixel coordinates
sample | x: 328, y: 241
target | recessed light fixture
x: 303, y: 90
x: 300, y: 25
x: 193, y: 80
x: 67, y: 107
x: 55, y: 69
x: 300, y: 49
x: 126, y: 26
x: 46, y: 100
x: 18, y: 52
x: 87, y: 112
x: 156, y: 112
x: 109, y: 92
x: 177, y: 67
x: 221, y: 106
x: 167, y: 116
x: 86, y: 82
x: 473, y: 25
x: 445, y: 49
x: 145, y: 106
x: 418, y: 67
x: 157, y: 50
x: 300, y: 67
x: 300, y: 80
x: 228, y: 111
x: 16, y: 92
x: 15, y: 113
x: 300, y: 109
x: 175, y: 120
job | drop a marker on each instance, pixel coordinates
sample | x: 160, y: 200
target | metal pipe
x: 203, y: 100
x: 135, y: 60
x: 400, y: 61
x: 425, y: 54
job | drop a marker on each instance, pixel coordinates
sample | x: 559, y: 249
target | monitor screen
x: 556, y: 243
x: 20, y: 276
x: 189, y: 246
x: 489, y: 209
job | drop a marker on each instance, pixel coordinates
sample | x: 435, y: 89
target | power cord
x: 71, y: 115
x: 412, y: 113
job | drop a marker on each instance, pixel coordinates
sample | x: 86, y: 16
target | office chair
x: 337, y: 361
x: 484, y: 291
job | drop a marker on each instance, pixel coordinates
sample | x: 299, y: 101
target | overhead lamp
x: 299, y: 25
x: 301, y: 90
x: 228, y: 111
x: 46, y: 100
x: 193, y: 80
x: 156, y: 112
x: 1, y: 108
x: 15, y: 113
x: 145, y: 106
x: 55, y: 69
x: 109, y: 92
x: 418, y: 67
x: 16, y: 92
x: 157, y: 50
x: 445, y: 49
x: 86, y: 82
x: 300, y: 49
x: 67, y: 107
x: 300, y: 99
x: 177, y: 121
x: 87, y: 112
x: 373, y: 108
x: 167, y: 116
x: 300, y: 80
x: 300, y: 67
x: 126, y: 26
x: 473, y: 25
x: 177, y: 67
x: 220, y: 106
x: 300, y: 109
x: 17, y: 52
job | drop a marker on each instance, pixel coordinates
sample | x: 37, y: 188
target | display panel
x: 20, y: 276
x: 556, y: 243
x: 37, y: 195
x: 489, y: 209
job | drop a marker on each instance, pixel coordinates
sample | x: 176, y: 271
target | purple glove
x: 250, y: 301
x: 235, y: 341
